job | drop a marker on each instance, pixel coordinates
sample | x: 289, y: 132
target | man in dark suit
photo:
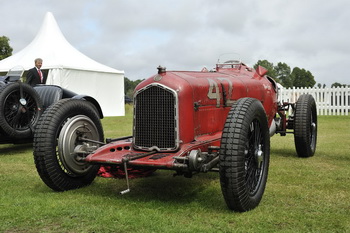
x: 35, y: 75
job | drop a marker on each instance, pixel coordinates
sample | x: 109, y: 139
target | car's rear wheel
x: 244, y: 155
x: 305, y: 126
x: 20, y: 110
x: 59, y: 144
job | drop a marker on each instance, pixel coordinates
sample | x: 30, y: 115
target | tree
x: 302, y: 78
x: 319, y: 85
x: 127, y: 84
x: 283, y: 75
x: 5, y: 48
x: 283, y: 72
x: 130, y: 85
x: 336, y: 84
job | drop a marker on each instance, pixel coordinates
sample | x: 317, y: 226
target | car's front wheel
x: 244, y: 155
x: 65, y: 130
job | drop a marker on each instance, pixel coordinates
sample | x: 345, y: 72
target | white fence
x: 329, y: 101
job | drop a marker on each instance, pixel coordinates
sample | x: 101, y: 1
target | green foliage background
x: 5, y: 48
x: 129, y: 86
x: 298, y: 77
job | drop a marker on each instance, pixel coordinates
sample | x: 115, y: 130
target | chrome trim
x: 176, y: 120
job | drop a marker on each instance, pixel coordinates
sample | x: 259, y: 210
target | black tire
x: 56, y: 136
x: 305, y: 126
x: 18, y: 117
x: 244, y: 155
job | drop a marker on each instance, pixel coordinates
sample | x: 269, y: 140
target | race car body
x: 177, y: 112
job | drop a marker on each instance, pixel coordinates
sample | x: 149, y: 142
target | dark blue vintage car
x: 21, y: 106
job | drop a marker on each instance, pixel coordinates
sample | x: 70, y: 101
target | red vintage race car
x: 189, y: 122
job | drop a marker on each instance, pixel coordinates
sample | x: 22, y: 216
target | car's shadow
x: 11, y: 149
x: 284, y: 152
x: 163, y: 187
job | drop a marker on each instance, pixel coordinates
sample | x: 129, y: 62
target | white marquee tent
x: 71, y: 69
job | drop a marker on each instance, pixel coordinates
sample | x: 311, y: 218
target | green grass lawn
x: 302, y: 195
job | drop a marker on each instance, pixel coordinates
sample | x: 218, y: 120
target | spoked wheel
x: 305, y: 126
x: 244, y: 155
x: 20, y: 110
x: 66, y: 133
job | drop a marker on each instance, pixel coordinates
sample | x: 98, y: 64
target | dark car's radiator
x: 156, y: 119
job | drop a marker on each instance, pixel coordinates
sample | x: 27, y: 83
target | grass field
x: 302, y: 195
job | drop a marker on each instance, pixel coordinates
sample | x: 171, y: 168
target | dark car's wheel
x: 305, y: 126
x: 58, y: 140
x: 244, y: 155
x: 20, y: 110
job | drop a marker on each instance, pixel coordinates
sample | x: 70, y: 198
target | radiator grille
x: 155, y: 119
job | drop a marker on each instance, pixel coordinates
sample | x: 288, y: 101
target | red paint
x: 202, y: 110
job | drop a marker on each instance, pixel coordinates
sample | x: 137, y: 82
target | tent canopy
x: 71, y: 69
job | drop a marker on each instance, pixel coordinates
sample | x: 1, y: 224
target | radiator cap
x: 161, y: 69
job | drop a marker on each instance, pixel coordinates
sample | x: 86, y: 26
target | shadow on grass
x: 284, y: 152
x: 162, y: 187
x: 9, y: 149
